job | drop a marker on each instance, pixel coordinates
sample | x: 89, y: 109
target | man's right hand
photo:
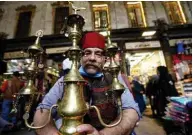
x: 40, y: 118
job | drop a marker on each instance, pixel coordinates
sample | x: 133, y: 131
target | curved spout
x: 26, y: 117
x: 101, y: 120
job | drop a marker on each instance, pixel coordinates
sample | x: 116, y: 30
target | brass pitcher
x: 30, y: 90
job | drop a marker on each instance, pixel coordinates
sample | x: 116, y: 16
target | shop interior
x: 144, y: 64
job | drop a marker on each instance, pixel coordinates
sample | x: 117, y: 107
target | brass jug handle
x: 26, y: 117
x: 101, y: 120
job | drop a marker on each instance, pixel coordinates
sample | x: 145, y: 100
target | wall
x: 43, y: 18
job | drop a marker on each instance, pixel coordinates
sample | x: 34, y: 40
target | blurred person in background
x: 138, y: 91
x: 10, y: 88
x: 66, y: 64
x: 165, y: 87
x: 151, y: 93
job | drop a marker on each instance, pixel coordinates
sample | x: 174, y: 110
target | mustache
x: 92, y: 64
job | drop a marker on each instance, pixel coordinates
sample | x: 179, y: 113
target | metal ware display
x: 72, y: 108
x: 34, y: 51
x: 30, y: 90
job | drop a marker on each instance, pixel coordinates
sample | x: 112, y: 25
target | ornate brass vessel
x: 30, y: 90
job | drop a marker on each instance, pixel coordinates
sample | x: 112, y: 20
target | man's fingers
x: 85, y: 128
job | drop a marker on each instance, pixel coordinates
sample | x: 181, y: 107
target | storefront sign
x: 141, y: 45
x: 16, y: 54
x: 56, y: 50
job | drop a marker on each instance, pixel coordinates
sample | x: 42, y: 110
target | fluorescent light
x: 7, y: 73
x: 14, y: 61
x: 137, y: 2
x: 100, y: 5
x: 148, y: 33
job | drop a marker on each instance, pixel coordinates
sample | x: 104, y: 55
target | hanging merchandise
x: 185, y: 68
x: 178, y: 68
x: 181, y: 67
x: 180, y: 47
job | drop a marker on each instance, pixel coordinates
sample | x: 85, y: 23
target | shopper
x: 138, y: 90
x: 10, y: 87
x: 92, y: 62
x: 151, y: 93
x: 165, y: 87
x: 66, y: 64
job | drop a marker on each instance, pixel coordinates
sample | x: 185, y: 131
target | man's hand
x: 88, y: 129
x: 40, y: 118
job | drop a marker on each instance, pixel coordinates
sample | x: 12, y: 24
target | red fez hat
x: 93, y: 40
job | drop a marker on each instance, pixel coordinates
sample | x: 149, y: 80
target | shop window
x: 23, y: 25
x: 101, y: 16
x: 136, y: 14
x: 60, y: 14
x: 174, y: 12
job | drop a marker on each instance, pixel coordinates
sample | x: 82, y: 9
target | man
x: 138, y: 90
x: 92, y: 62
x: 66, y: 65
x: 10, y: 87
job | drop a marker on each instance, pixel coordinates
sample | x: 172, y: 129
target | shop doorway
x: 144, y: 64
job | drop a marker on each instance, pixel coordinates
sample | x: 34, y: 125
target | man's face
x: 93, y: 60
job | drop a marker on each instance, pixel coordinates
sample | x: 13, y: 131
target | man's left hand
x: 88, y: 129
